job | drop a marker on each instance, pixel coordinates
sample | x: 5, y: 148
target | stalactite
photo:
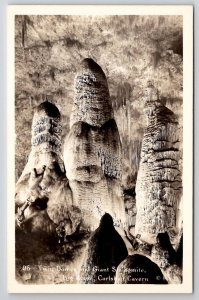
x: 24, y: 31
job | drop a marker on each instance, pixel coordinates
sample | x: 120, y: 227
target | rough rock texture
x: 92, y: 152
x: 162, y: 252
x: 92, y: 103
x: 43, y: 195
x: 173, y: 274
x: 130, y: 50
x: 130, y: 208
x: 106, y: 250
x: 138, y: 269
x: 158, y: 187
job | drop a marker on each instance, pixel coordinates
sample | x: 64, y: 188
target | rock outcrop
x: 43, y: 196
x: 138, y: 269
x: 106, y: 250
x: 162, y: 252
x: 92, y: 152
x: 158, y: 187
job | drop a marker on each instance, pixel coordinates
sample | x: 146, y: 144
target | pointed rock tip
x: 49, y: 108
x: 106, y: 220
x: 89, y: 63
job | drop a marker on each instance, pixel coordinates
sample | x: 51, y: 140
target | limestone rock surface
x: 162, y: 252
x: 92, y: 151
x: 159, y: 184
x: 92, y: 103
x: 43, y: 186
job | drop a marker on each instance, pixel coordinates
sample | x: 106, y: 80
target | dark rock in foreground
x: 180, y: 252
x: 138, y: 269
x: 106, y: 250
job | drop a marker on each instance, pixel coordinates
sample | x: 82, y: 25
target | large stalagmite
x: 43, y: 196
x: 158, y: 187
x: 92, y: 151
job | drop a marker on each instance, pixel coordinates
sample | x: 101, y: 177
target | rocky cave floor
x: 44, y: 260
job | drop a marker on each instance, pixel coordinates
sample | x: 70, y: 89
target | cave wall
x: 130, y: 49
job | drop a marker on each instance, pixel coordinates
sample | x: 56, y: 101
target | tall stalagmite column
x: 43, y: 196
x: 92, y: 151
x: 158, y: 187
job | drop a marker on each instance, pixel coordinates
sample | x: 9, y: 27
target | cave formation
x: 54, y: 195
x: 43, y: 197
x: 92, y: 151
x: 159, y: 183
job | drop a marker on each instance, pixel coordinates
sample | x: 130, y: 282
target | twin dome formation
x: 80, y: 187
x: 88, y: 178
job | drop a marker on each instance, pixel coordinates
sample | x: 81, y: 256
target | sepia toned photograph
x: 99, y: 154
